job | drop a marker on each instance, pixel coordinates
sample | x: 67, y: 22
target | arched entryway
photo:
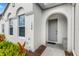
x: 56, y: 31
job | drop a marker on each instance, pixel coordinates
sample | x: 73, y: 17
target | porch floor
x: 53, y: 50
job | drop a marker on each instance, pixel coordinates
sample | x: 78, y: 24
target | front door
x: 52, y: 30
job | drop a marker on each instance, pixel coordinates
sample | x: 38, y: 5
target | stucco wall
x: 77, y: 29
x: 37, y: 20
x: 61, y: 27
x: 67, y: 11
x: 37, y: 26
x: 29, y: 19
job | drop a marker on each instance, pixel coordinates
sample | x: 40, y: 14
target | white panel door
x: 52, y: 30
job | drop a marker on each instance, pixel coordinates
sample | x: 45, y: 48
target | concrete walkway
x: 53, y: 50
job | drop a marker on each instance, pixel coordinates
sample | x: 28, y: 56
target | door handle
x: 56, y: 32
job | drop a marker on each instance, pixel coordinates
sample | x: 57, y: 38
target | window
x: 22, y: 25
x: 11, y: 27
x: 2, y: 28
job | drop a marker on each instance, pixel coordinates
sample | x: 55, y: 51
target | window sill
x: 11, y: 35
x: 21, y: 37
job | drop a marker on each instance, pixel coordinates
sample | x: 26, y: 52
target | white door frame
x: 56, y: 29
x: 47, y: 30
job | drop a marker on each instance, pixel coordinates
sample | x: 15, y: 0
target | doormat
x: 51, y: 43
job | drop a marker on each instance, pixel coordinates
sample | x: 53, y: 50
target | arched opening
x: 20, y: 13
x: 56, y: 31
x: 9, y: 18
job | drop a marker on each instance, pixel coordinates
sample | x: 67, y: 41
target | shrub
x: 2, y: 37
x: 10, y: 49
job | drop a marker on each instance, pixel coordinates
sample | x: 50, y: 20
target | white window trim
x: 21, y: 37
x: 10, y: 27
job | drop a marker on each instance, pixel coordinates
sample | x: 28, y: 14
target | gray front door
x: 52, y: 30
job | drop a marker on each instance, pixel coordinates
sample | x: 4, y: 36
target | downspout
x: 74, y: 32
x: 74, y: 25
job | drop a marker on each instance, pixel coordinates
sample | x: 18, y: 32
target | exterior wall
x: 35, y: 23
x: 29, y: 19
x: 67, y: 11
x: 61, y: 27
x: 77, y: 29
x: 37, y: 26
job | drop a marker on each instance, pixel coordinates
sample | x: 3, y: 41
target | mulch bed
x: 68, y: 53
x: 37, y: 52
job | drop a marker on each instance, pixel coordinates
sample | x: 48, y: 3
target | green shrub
x: 9, y: 49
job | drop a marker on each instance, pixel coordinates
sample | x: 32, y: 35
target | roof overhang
x: 49, y: 5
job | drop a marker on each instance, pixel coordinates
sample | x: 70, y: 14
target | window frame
x: 10, y: 26
x: 21, y: 25
x: 3, y: 28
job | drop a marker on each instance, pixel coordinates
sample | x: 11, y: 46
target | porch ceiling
x: 49, y: 5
